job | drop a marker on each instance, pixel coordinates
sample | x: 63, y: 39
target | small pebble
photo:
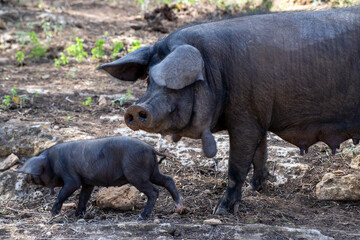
x: 81, y: 221
x: 157, y: 221
x: 67, y: 206
x: 212, y: 222
x: 37, y: 194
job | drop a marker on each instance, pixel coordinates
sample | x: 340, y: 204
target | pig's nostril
x: 129, y: 118
x: 143, y: 115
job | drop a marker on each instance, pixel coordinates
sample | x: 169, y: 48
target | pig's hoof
x: 80, y: 213
x: 220, y: 210
x: 257, y: 184
x: 55, y: 212
x: 258, y: 181
x: 141, y: 218
x: 221, y: 207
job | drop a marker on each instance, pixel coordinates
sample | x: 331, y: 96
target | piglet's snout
x: 138, y: 117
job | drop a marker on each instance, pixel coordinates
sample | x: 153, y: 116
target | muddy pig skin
x: 295, y: 74
x: 112, y: 161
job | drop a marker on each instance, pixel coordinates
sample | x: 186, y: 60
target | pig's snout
x: 138, y: 117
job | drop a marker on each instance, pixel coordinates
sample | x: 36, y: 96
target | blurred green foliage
x: 98, y: 51
x: 77, y: 50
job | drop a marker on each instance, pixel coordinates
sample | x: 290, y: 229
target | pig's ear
x: 180, y: 68
x: 34, y: 165
x: 130, y: 67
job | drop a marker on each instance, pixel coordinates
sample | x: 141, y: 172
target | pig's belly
x: 105, y: 181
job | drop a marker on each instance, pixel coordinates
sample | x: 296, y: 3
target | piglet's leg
x: 65, y: 192
x: 168, y: 183
x: 84, y: 197
x: 152, y: 194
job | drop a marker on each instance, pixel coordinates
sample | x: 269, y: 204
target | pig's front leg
x: 83, y: 199
x: 260, y: 167
x: 69, y: 188
x: 244, y: 139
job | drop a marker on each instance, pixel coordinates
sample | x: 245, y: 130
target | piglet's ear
x: 130, y: 67
x: 180, y: 68
x: 34, y: 165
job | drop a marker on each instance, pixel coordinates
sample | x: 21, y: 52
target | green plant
x: 6, y: 101
x: 134, y: 46
x: 118, y: 46
x: 72, y: 73
x: 68, y: 116
x: 40, y: 4
x: 14, y: 91
x: 87, y: 102
x: 36, y: 94
x: 230, y: 6
x: 47, y: 29
x: 18, y: 100
x: 123, y: 99
x: 77, y: 50
x: 37, y: 50
x: 98, y: 51
x: 22, y: 37
x: 20, y: 57
x: 62, y: 60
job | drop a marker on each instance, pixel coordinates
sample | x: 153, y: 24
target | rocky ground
x: 49, y: 106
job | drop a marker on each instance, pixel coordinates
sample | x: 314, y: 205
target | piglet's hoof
x: 141, y: 218
x: 180, y: 207
x: 208, y: 144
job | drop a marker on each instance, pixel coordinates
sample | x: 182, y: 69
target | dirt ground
x: 62, y: 89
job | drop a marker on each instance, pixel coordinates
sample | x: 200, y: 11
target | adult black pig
x: 112, y: 161
x: 294, y: 74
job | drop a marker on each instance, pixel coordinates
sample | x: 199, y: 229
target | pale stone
x: 355, y: 162
x: 212, y: 222
x: 25, y: 138
x: 8, y: 162
x: 102, y: 100
x: 67, y: 206
x: 122, y: 198
x: 4, y: 61
x: 340, y: 188
x: 37, y: 194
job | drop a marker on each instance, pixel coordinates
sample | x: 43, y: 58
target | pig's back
x: 104, y: 161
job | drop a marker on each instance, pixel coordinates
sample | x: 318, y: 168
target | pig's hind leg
x: 152, y: 194
x: 168, y: 183
x: 258, y: 181
x: 84, y: 197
